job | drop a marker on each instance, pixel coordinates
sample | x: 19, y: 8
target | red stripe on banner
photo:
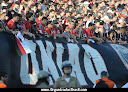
x: 20, y: 47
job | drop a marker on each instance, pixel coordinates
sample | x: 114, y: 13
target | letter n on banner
x: 48, y: 63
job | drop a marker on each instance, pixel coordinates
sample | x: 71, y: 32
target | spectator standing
x: 43, y: 79
x: 67, y: 81
x: 104, y: 82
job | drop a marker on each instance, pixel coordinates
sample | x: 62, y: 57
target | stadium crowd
x: 90, y: 20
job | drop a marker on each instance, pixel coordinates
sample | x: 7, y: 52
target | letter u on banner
x: 26, y: 78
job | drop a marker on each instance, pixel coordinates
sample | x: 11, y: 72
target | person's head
x: 26, y: 8
x: 67, y: 67
x: 3, y: 76
x: 65, y: 5
x: 122, y: 16
x: 44, y: 20
x: 43, y: 76
x: 39, y: 15
x: 33, y: 8
x: 102, y: 4
x: 102, y: 23
x: 39, y: 6
x: 70, y: 7
x: 52, y: 13
x: 91, y: 26
x: 80, y: 20
x: 10, y: 1
x: 55, y: 23
x: 66, y: 28
x: 2, y: 15
x: 115, y: 18
x: 97, y: 21
x: 9, y: 7
x: 29, y: 16
x: 50, y: 25
x: 61, y: 2
x: 67, y: 13
x: 62, y: 13
x: 15, y: 17
x: 30, y: 2
x: 16, y: 6
x: 73, y: 13
x: 71, y: 24
x: 104, y: 74
x: 58, y: 7
x: 91, y: 17
x: 52, y: 7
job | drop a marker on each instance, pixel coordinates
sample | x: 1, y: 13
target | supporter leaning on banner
x: 3, y: 25
x: 110, y: 12
x: 31, y: 25
x: 11, y: 23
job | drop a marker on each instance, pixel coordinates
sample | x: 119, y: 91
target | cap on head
x: 122, y: 15
x: 66, y: 64
x: 43, y: 74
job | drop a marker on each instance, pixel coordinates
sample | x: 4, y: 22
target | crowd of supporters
x: 95, y: 21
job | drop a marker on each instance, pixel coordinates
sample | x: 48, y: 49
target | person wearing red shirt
x: 39, y: 16
x: 58, y: 9
x: 11, y: 23
x: 48, y: 28
x: 51, y: 16
x: 29, y: 17
x: 90, y: 34
x: 67, y: 14
x: 89, y: 30
x: 54, y: 31
x: 64, y: 21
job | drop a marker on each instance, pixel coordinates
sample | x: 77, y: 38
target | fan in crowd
x: 95, y: 21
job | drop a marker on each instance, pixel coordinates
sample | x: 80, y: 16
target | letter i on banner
x: 22, y: 47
